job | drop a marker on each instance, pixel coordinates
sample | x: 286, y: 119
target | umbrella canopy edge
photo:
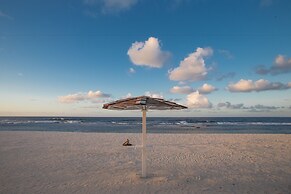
x: 140, y: 102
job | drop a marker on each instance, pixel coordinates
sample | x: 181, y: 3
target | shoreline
x: 78, y: 162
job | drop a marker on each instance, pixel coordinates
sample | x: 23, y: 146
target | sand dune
x: 57, y: 162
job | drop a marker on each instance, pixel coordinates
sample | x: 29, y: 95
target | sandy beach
x: 63, y: 162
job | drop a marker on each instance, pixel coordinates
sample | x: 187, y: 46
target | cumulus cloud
x: 182, y: 90
x: 281, y: 65
x: 111, y: 6
x: 258, y: 86
x: 97, y: 94
x: 78, y: 97
x: 192, y: 68
x: 148, y: 53
x: 225, y: 76
x: 197, y: 100
x: 206, y: 89
x: 153, y: 95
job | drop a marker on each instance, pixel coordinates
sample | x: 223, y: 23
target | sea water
x: 267, y: 125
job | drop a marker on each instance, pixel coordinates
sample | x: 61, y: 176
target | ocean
x: 249, y: 125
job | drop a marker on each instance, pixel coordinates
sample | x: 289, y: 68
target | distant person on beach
x: 126, y: 143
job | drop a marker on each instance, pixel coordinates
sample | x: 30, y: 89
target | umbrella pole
x: 144, y: 130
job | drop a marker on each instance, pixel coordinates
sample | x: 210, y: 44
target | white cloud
x: 192, y: 68
x: 153, y: 95
x: 148, y: 53
x: 206, y: 89
x: 78, y: 97
x: 4, y: 15
x: 182, y: 90
x: 97, y: 94
x: 241, y: 86
x: 111, y: 6
x: 131, y: 70
x: 280, y: 60
x: 259, y: 85
x: 281, y: 65
x: 196, y: 100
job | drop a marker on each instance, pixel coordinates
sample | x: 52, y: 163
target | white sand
x: 56, y: 162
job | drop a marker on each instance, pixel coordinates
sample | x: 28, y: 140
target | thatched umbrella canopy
x: 143, y: 103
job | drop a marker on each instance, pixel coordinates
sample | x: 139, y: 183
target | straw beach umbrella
x: 143, y: 103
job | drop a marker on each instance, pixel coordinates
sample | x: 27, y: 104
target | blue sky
x: 219, y: 58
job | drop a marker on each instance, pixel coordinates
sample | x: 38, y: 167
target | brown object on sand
x: 126, y: 143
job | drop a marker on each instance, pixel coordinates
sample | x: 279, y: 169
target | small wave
x: 165, y: 123
x: 45, y: 122
x: 72, y: 121
x: 66, y: 120
x: 252, y: 123
x: 58, y: 119
x: 182, y: 123
x: 9, y: 122
x: 13, y: 122
x: 119, y: 123
x: 20, y: 122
